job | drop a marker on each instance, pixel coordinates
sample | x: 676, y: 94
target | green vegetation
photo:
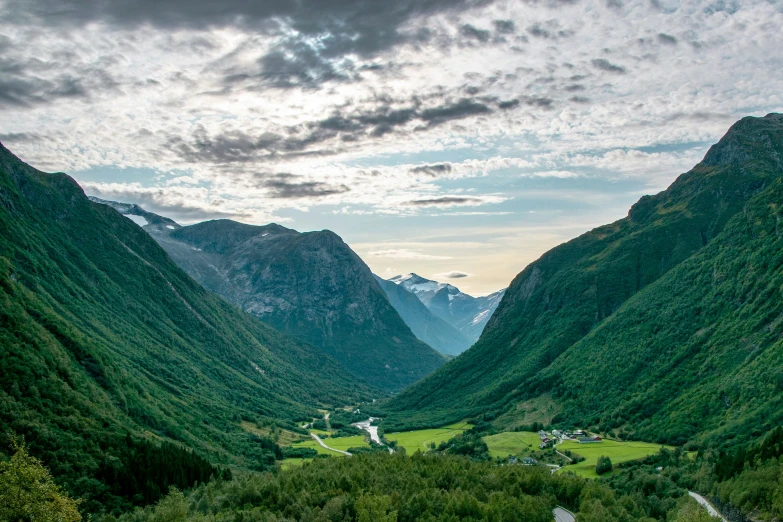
x: 603, y: 465
x: 27, y: 492
x: 101, y: 335
x: 663, y: 326
x: 399, y: 488
x: 423, y: 440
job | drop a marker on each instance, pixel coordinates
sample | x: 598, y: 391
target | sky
x: 458, y: 139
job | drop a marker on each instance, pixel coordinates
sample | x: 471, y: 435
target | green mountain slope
x: 311, y: 286
x: 102, y: 335
x: 653, y: 324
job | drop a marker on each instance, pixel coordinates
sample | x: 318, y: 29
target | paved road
x: 318, y: 439
x: 704, y: 502
x: 563, y: 515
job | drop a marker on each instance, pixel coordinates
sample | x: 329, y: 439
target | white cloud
x: 402, y: 253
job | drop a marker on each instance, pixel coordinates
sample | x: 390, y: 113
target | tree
x: 28, y: 493
x: 604, y: 465
x: 374, y: 508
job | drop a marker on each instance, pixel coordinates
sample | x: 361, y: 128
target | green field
x: 340, y: 443
x: 291, y: 463
x: 617, y: 451
x: 512, y: 443
x: 421, y: 439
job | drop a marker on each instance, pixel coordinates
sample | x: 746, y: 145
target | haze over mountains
x: 664, y: 325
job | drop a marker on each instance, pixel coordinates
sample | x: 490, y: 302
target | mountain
x: 468, y: 314
x: 103, y: 339
x: 310, y: 285
x: 424, y: 324
x: 665, y: 325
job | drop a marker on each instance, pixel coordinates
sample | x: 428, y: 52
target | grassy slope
x: 617, y: 452
x: 101, y: 334
x: 558, y: 300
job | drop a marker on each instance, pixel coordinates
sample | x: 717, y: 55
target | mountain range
x: 467, y: 314
x: 103, y: 336
x: 310, y: 285
x: 665, y: 325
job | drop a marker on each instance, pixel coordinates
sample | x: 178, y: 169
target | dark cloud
x: 579, y: 99
x: 435, y: 169
x: 444, y: 201
x: 316, y: 36
x: 471, y: 32
x: 667, y: 39
x: 574, y: 87
x: 508, y: 104
x: 24, y: 137
x: 453, y: 111
x: 282, y: 186
x: 504, y: 26
x: 348, y: 124
x: 606, y: 65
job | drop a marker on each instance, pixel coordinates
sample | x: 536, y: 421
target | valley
x: 229, y: 370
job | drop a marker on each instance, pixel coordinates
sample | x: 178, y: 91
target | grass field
x: 508, y: 443
x: 340, y: 443
x: 617, y: 451
x: 421, y: 439
x: 291, y: 463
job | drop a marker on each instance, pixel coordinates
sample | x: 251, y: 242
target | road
x: 706, y: 503
x: 318, y: 439
x: 563, y: 515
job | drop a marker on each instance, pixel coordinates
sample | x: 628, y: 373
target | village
x: 556, y: 437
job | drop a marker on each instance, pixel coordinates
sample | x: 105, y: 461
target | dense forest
x: 101, y: 335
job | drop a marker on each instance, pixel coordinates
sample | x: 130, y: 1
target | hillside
x: 663, y: 325
x: 311, y: 286
x: 424, y: 324
x: 103, y: 337
x: 465, y: 313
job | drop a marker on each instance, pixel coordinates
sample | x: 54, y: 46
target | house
x: 529, y: 461
x: 545, y: 443
x: 556, y: 433
x: 588, y: 440
x: 542, y: 434
x: 512, y: 460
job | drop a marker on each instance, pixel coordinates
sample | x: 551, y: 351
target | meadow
x: 422, y: 439
x: 616, y: 451
x: 508, y: 443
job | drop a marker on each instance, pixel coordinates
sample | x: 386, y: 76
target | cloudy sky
x: 459, y: 139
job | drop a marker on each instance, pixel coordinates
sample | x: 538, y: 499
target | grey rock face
x: 311, y: 286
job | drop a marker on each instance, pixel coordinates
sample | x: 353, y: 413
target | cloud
x: 667, y: 39
x: 445, y: 201
x: 606, y: 65
x: 434, y: 169
x: 451, y: 275
x: 402, y: 253
x: 473, y: 33
x: 281, y: 186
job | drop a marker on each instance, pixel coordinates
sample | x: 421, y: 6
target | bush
x: 604, y: 465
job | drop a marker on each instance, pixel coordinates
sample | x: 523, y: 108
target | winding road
x: 563, y: 515
x: 323, y: 444
x: 706, y: 503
